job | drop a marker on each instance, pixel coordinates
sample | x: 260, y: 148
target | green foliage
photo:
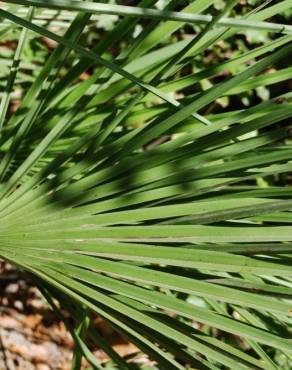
x: 145, y: 157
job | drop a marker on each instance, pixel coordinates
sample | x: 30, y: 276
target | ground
x: 31, y: 336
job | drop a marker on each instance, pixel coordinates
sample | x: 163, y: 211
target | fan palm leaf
x: 122, y: 198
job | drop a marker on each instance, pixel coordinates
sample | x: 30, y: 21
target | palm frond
x: 125, y: 196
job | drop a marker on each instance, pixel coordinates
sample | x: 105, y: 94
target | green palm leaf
x: 126, y: 196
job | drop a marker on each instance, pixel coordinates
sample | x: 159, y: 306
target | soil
x: 32, y: 337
